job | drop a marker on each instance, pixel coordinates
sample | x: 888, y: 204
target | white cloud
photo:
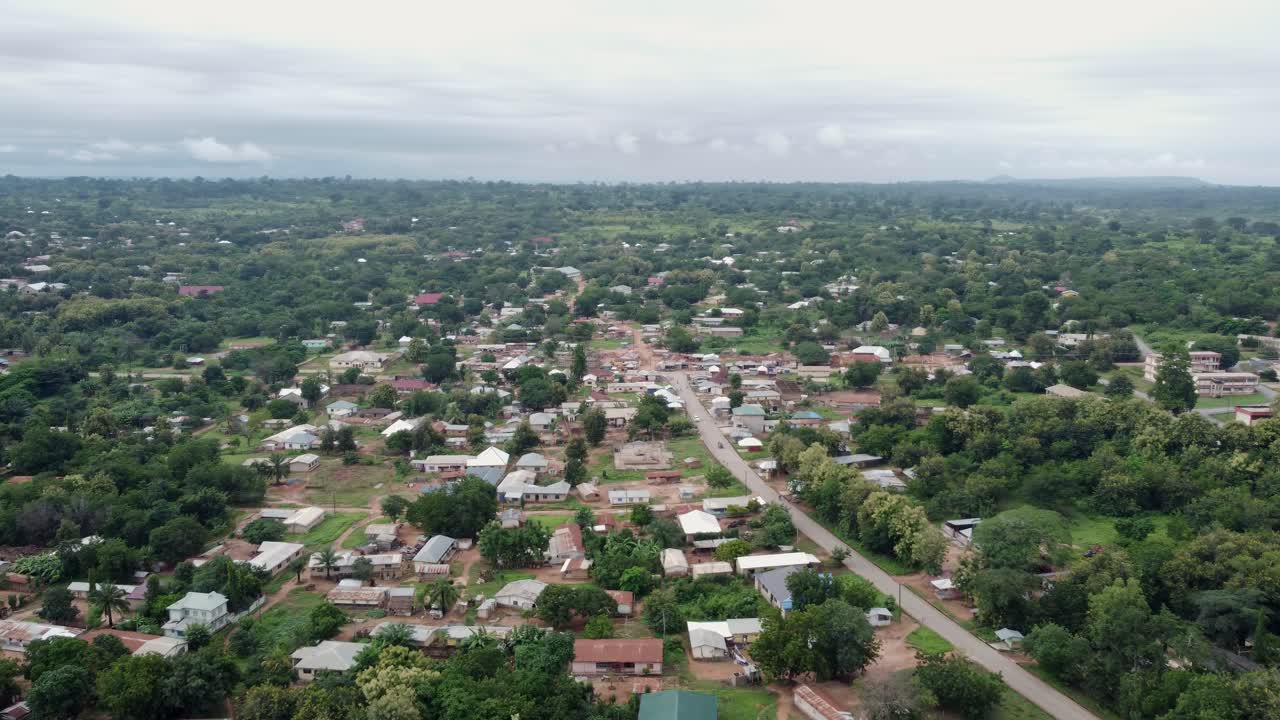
x: 1171, y: 160
x: 627, y: 143
x: 679, y: 136
x: 718, y: 145
x: 83, y: 155
x: 775, y: 142
x: 1005, y: 165
x: 8, y: 148
x: 832, y: 136
x: 114, y: 145
x: 209, y: 149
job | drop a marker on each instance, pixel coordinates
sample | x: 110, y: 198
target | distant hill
x: 1117, y: 183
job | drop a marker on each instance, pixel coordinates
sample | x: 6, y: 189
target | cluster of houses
x: 1210, y: 378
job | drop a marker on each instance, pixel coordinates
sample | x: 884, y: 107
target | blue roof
x: 491, y: 475
x: 806, y: 415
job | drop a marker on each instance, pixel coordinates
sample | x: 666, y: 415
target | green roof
x: 748, y: 410
x: 677, y: 705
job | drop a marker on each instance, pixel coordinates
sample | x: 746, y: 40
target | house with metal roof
x: 435, y: 551
x: 207, y: 609
x: 772, y: 584
x: 328, y: 656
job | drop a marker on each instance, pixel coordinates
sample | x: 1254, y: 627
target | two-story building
x: 207, y: 609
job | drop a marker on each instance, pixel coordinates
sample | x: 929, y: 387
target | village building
x: 360, y: 359
x: 355, y: 594
x: 435, y: 551
x: 674, y: 563
x: 772, y: 584
x: 272, y: 556
x: 207, y: 609
x: 520, y: 594
x: 328, y: 656
x: 617, y: 657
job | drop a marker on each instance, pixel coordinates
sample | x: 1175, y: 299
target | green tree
x: 394, y: 506
x: 362, y: 569
x: 578, y: 365
x: 732, y: 550
x: 383, y: 396
x: 198, y: 636
x: 575, y: 469
x: 594, y: 426
x: 327, y: 559
x: 312, y: 390
x: 111, y: 599
x: 442, y: 594
x: 862, y: 374
x: 1016, y: 538
x: 1120, y: 387
x: 137, y: 688
x: 62, y: 693
x: 718, y: 477
x: 324, y: 621
x: 263, y: 530
x: 957, y: 684
x: 1079, y: 374
x: 57, y: 605
x: 267, y: 702
x: 962, y: 391
x: 461, y: 510
x: 598, y: 627
x: 1058, y: 651
x: 1175, y: 389
x: 831, y: 640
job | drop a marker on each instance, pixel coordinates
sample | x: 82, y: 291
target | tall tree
x: 1175, y: 389
x: 110, y: 598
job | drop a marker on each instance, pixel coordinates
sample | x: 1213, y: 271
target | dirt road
x: 1029, y: 686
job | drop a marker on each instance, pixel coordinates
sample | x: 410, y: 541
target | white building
x: 329, y: 656
x: 207, y: 609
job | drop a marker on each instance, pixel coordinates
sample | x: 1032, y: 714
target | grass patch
x: 284, y: 626
x: 1016, y: 707
x: 551, y: 522
x: 690, y: 447
x: 327, y: 531
x: 928, y: 641
x: 349, y: 485
x: 1231, y: 401
x: 475, y: 587
x: 743, y: 703
x: 1076, y: 694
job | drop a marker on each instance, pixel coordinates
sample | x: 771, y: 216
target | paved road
x: 1029, y: 686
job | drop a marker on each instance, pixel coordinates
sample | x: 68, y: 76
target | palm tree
x: 278, y: 467
x: 297, y: 566
x: 110, y: 598
x: 442, y: 594
x: 396, y: 634
x: 328, y: 560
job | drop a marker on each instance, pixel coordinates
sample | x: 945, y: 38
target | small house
x: 329, y: 656
x: 1010, y: 639
x: 520, y: 594
x: 879, y: 617
x: 674, y: 563
x: 305, y: 462
x: 628, y: 497
x: 354, y: 593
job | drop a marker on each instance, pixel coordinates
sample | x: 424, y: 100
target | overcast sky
x: 569, y: 90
